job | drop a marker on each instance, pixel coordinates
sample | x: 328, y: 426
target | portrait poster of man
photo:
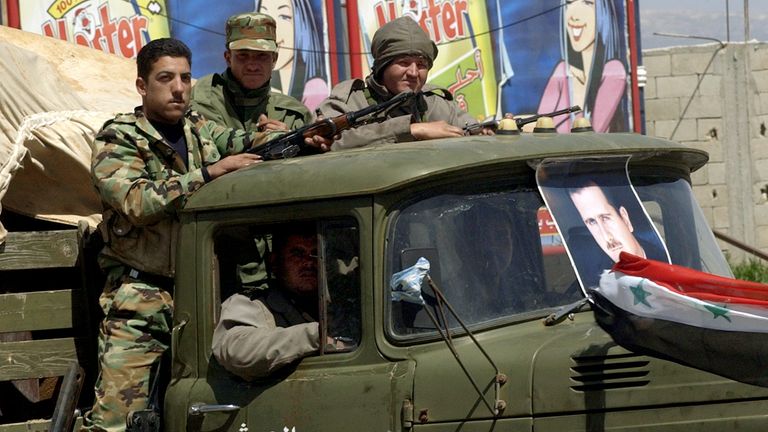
x: 598, y: 214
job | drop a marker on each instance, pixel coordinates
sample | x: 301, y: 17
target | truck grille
x: 603, y: 372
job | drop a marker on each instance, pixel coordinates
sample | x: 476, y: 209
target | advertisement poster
x: 115, y: 26
x: 496, y: 57
x: 523, y: 58
x: 302, y: 64
x: 462, y: 32
x: 559, y: 53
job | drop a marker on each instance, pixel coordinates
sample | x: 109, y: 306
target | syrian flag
x: 709, y: 322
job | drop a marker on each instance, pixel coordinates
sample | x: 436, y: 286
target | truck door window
x: 242, y: 255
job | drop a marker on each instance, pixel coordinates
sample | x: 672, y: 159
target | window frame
x: 209, y: 223
x: 505, y: 181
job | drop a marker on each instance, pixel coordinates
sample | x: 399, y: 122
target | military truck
x: 482, y: 353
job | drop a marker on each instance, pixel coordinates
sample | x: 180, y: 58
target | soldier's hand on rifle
x: 483, y: 131
x: 435, y: 129
x: 481, y: 127
x: 268, y: 124
x: 232, y: 163
x: 320, y: 143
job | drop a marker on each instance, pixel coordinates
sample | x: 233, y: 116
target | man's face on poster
x: 611, y: 229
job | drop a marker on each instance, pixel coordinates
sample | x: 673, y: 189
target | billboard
x: 462, y: 32
x: 115, y: 26
x: 522, y: 57
x: 558, y: 53
x: 496, y: 57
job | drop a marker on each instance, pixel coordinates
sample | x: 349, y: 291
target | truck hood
x: 572, y: 367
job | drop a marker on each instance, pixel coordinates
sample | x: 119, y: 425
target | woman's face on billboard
x: 580, y: 23
x: 282, y: 12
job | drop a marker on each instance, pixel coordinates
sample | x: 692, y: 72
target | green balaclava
x: 401, y: 36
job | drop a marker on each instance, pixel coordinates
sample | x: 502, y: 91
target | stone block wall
x: 715, y: 98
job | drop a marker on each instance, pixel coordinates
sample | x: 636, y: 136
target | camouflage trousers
x: 134, y: 334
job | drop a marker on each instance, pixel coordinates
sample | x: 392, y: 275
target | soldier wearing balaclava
x: 403, y: 54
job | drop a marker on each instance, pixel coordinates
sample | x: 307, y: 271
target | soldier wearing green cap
x: 241, y: 97
x: 402, y: 56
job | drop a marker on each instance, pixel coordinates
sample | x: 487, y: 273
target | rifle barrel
x: 524, y: 121
x: 490, y: 124
x: 292, y: 143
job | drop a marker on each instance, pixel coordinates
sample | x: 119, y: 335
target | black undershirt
x: 174, y: 136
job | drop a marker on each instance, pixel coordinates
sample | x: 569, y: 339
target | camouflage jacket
x: 356, y: 94
x: 143, y: 183
x: 219, y: 98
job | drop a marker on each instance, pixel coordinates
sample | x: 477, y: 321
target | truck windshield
x: 498, y: 257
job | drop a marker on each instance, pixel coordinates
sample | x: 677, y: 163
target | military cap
x: 251, y: 31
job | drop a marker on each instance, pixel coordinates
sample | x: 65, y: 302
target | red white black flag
x: 710, y: 322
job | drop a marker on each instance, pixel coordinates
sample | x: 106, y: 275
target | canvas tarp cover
x: 54, y: 97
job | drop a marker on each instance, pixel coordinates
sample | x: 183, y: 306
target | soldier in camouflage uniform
x: 145, y: 167
x: 241, y: 97
x: 402, y: 56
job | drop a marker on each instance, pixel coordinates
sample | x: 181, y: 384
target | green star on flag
x: 640, y: 294
x: 718, y: 311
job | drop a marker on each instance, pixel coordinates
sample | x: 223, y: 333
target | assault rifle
x: 292, y: 143
x: 520, y: 122
x: 530, y: 119
x: 471, y: 129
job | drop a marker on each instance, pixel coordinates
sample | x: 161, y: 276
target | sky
x: 706, y: 18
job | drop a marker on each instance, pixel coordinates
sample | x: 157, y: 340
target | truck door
x: 345, y: 384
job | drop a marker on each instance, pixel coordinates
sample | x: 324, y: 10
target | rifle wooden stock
x: 328, y: 128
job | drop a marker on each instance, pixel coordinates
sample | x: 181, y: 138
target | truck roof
x: 378, y: 168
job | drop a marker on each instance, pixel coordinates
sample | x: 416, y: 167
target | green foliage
x: 751, y: 270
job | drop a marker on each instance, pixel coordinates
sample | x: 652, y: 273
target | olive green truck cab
x: 480, y: 354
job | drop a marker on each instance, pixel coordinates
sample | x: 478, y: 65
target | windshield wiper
x: 498, y: 380
x: 563, y: 312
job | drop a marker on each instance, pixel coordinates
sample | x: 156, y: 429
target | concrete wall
x: 715, y: 98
